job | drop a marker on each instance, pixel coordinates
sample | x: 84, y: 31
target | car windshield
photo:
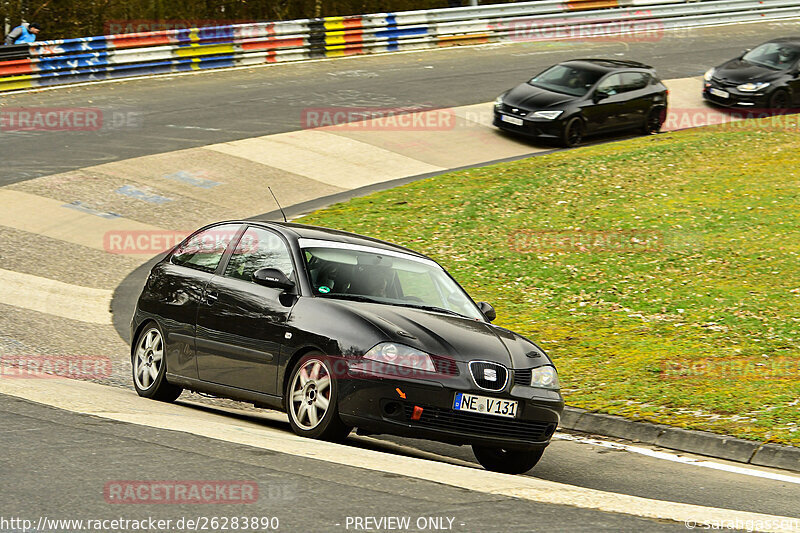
x: 567, y: 79
x: 362, y: 273
x: 777, y: 56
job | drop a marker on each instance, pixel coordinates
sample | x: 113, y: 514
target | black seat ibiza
x: 583, y: 97
x: 341, y: 331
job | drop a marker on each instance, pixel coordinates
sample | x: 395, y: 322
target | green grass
x: 697, y: 325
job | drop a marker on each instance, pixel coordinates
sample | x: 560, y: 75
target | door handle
x: 211, y: 297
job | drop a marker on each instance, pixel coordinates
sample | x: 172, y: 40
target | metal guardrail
x: 17, y: 51
x: 68, y: 61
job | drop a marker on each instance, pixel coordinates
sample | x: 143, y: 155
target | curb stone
x: 684, y: 440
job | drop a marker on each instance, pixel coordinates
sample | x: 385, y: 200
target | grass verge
x: 661, y: 274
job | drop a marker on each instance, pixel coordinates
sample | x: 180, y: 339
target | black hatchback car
x: 768, y: 76
x: 584, y: 97
x: 341, y: 331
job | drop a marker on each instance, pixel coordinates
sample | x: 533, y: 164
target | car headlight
x: 399, y: 355
x: 751, y: 87
x: 498, y: 101
x: 545, y: 377
x: 549, y: 115
x: 709, y: 74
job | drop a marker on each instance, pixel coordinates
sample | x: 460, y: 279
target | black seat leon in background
x: 584, y: 97
x: 341, y: 331
x: 766, y: 77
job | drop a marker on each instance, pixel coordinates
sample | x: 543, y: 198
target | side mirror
x: 599, y: 95
x: 273, y: 278
x: 487, y: 310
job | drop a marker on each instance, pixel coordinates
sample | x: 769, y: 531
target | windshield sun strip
x: 318, y: 243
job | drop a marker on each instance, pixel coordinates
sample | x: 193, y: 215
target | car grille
x: 725, y: 83
x: 481, y: 372
x: 519, y: 111
x: 479, y: 424
x: 523, y: 376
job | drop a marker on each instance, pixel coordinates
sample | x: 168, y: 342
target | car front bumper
x: 540, y: 128
x: 712, y: 91
x: 377, y: 403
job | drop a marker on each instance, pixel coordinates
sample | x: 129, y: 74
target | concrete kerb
x: 684, y: 440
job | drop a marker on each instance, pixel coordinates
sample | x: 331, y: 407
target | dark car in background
x: 341, y: 331
x: 768, y: 76
x: 583, y: 97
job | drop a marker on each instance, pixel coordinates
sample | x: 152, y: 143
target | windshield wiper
x: 353, y: 297
x: 431, y: 308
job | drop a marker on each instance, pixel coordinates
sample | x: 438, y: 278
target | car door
x: 602, y: 112
x: 241, y: 324
x: 174, y: 290
x: 638, y: 101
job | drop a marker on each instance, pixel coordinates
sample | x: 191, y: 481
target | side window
x: 634, y: 81
x: 611, y: 85
x: 259, y: 248
x: 204, y: 250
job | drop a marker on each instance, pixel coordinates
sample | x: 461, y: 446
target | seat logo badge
x: 490, y: 374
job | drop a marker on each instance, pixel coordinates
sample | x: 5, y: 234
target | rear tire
x: 149, y: 363
x: 312, y: 400
x: 507, y: 461
x: 572, y: 135
x: 779, y: 100
x: 654, y: 121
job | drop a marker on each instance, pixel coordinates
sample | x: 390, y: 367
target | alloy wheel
x: 310, y: 394
x: 149, y: 358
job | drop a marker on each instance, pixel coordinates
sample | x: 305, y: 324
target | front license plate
x: 485, y: 405
x: 717, y: 92
x: 511, y: 120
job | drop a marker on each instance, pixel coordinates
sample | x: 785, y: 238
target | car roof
x: 303, y: 231
x: 786, y: 40
x: 607, y: 65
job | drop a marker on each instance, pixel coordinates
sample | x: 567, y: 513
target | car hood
x: 527, y: 96
x: 740, y: 71
x: 459, y: 338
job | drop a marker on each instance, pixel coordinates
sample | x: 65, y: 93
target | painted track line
x: 667, y: 456
x: 45, y: 295
x: 124, y: 406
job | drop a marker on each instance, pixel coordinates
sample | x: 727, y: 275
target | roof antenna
x: 279, y: 204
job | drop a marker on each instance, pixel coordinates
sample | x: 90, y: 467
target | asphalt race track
x: 206, y: 147
x: 173, y: 112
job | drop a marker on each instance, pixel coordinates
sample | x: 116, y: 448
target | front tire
x: 572, y: 135
x: 779, y: 100
x: 312, y: 400
x: 507, y: 461
x: 150, y: 366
